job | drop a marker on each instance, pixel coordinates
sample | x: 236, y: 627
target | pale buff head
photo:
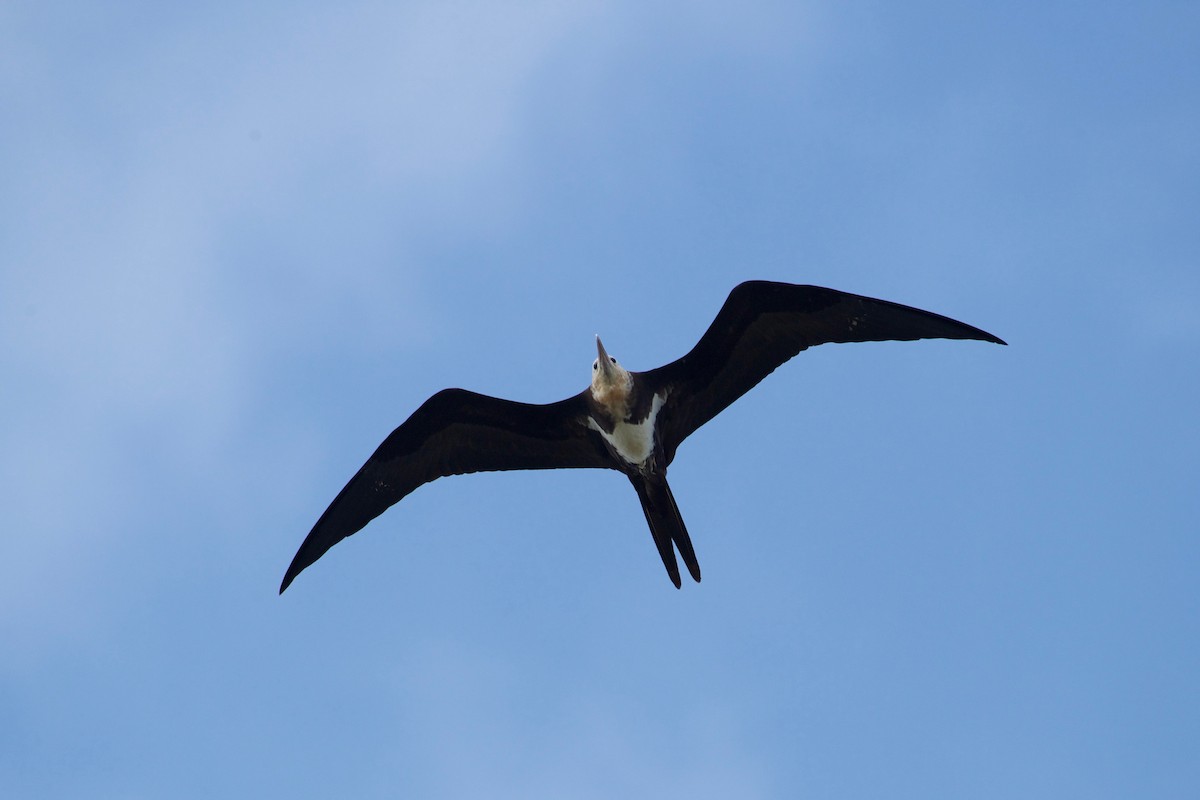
x: 610, y: 381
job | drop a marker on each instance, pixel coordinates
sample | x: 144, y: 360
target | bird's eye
x: 596, y: 364
x: 613, y: 360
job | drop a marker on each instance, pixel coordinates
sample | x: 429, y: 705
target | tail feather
x: 667, y: 528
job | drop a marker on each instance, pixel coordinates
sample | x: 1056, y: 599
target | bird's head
x: 610, y: 381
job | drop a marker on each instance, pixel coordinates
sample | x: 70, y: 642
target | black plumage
x: 629, y: 421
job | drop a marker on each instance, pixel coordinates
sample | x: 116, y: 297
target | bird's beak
x: 605, y: 365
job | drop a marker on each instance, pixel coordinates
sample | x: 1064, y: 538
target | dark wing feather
x: 453, y: 433
x: 762, y: 325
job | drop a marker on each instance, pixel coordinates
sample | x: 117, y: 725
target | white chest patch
x: 634, y: 443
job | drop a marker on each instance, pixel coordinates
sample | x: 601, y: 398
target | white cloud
x: 130, y: 181
x: 189, y: 201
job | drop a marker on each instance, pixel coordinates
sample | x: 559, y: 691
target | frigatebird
x: 632, y: 422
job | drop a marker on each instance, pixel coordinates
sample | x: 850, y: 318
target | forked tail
x: 666, y: 525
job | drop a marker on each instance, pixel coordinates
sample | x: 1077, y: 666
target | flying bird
x: 632, y: 422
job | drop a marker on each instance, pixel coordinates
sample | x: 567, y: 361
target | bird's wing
x: 762, y: 325
x: 453, y: 433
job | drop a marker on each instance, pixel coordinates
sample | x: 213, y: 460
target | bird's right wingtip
x: 979, y: 334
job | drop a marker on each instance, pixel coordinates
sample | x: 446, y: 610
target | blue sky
x: 238, y: 247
